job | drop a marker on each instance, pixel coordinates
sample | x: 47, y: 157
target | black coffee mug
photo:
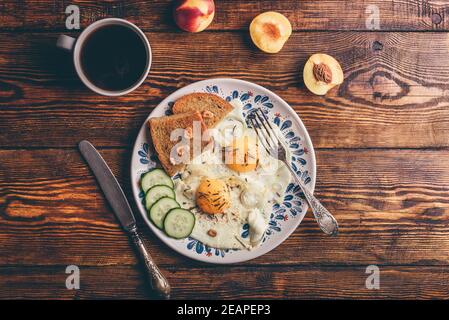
x: 112, y: 56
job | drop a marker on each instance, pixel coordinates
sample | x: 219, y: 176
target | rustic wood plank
x: 127, y: 282
x: 392, y: 206
x: 395, y: 94
x: 232, y: 15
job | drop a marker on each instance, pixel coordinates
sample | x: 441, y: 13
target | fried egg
x: 233, y: 184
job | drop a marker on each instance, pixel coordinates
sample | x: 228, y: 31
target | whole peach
x: 193, y: 15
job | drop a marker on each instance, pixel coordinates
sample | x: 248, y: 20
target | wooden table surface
x: 381, y: 139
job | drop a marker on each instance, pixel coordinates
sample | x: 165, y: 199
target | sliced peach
x: 270, y: 31
x: 194, y: 15
x: 321, y: 73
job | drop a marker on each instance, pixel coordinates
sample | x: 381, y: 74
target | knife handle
x: 158, y: 282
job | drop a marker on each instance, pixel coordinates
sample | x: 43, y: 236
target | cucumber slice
x: 156, y: 193
x: 179, y: 223
x: 159, y: 210
x: 155, y: 177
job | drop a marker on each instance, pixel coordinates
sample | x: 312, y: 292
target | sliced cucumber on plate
x: 179, y: 223
x: 159, y: 210
x: 161, y: 205
x: 157, y: 192
x: 155, y: 177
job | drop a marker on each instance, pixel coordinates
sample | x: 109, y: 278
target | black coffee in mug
x: 114, y: 57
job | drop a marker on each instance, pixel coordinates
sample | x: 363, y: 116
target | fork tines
x: 264, y: 130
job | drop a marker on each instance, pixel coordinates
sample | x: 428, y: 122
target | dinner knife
x: 119, y: 204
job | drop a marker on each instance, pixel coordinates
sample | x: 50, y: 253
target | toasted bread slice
x: 161, y: 129
x: 212, y: 107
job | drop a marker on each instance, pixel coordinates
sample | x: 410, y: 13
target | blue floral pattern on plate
x: 291, y: 205
x: 200, y: 248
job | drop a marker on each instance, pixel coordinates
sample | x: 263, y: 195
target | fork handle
x: 328, y: 224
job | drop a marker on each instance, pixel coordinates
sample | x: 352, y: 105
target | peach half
x: 321, y: 73
x: 270, y: 31
x: 193, y: 15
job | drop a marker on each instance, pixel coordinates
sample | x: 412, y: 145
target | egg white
x: 252, y: 193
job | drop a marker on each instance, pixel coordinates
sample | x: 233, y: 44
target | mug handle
x: 65, y: 42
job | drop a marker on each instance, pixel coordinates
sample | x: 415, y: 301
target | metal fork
x: 272, y: 145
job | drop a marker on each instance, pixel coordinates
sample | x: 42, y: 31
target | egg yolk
x: 242, y: 155
x: 212, y: 196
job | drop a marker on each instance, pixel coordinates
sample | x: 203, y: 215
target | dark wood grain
x: 393, y: 97
x: 382, y: 143
x: 392, y: 206
x: 232, y: 15
x: 128, y: 282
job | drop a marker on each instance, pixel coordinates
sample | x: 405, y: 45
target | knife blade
x: 108, y: 184
x: 120, y: 205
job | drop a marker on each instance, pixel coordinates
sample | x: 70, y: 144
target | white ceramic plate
x: 285, y: 217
